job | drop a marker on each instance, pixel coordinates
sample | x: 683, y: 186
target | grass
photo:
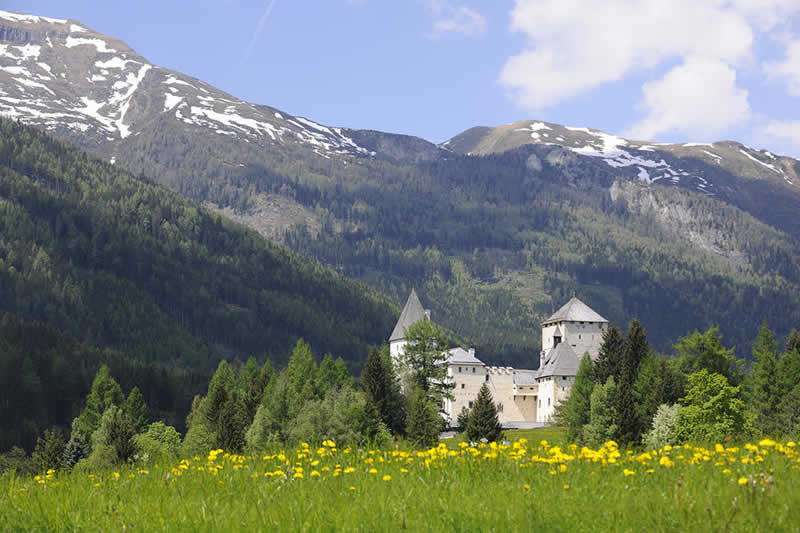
x: 518, y: 487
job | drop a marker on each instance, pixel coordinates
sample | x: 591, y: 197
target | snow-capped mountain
x: 692, y: 165
x: 75, y: 82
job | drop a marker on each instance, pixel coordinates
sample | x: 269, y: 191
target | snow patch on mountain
x: 32, y: 19
x: 99, y: 44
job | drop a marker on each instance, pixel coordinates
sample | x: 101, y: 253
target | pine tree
x: 78, y: 447
x: 303, y: 372
x: 601, y: 426
x: 424, y: 356
x: 137, y: 410
x: 49, y: 451
x: 483, y: 422
x: 578, y: 407
x: 222, y: 385
x: 105, y: 392
x: 628, y: 422
x: 252, y: 382
x: 232, y: 424
x: 765, y: 380
x: 609, y: 359
x: 424, y: 422
x: 793, y: 342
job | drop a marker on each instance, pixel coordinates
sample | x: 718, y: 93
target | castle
x: 520, y: 395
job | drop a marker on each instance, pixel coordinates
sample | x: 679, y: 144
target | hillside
x: 496, y: 228
x: 123, y: 263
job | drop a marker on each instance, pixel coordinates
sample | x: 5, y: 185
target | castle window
x: 499, y: 407
x: 473, y: 369
x: 462, y: 385
x: 470, y: 405
x: 579, y: 335
x: 459, y: 370
x: 540, y: 403
x: 548, y: 402
x: 487, y: 377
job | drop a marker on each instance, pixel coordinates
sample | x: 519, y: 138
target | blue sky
x: 671, y: 71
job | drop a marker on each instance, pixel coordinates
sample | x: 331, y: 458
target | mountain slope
x: 683, y: 236
x: 124, y: 263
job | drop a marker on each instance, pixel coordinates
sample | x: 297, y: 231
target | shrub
x: 663, y: 428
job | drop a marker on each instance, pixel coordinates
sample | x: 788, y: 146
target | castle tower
x: 570, y: 332
x: 412, y: 313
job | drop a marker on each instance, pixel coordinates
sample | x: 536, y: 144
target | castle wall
x: 512, y: 407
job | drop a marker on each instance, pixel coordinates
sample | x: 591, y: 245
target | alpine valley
x: 495, y: 228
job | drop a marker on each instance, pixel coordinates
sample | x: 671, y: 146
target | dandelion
x: 116, y: 475
x: 742, y: 481
x: 373, y: 470
x: 298, y: 475
x: 627, y: 472
x: 351, y: 487
x: 387, y: 477
x: 566, y: 487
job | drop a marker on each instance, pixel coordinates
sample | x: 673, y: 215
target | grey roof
x: 559, y: 361
x: 525, y: 377
x: 575, y: 311
x: 412, y: 313
x: 460, y: 356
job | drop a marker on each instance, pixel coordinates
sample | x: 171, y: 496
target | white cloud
x: 786, y: 130
x: 574, y: 46
x: 788, y: 69
x: 453, y: 17
x: 698, y: 97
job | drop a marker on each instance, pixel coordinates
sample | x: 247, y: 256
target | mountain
x: 496, y: 228
x: 123, y: 263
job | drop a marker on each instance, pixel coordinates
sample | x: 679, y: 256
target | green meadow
x: 525, y: 485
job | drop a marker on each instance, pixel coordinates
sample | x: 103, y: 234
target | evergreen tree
x: 483, y: 422
x: 601, y: 426
x: 332, y: 374
x: 382, y: 388
x: 252, y: 382
x: 105, y: 392
x: 49, y: 451
x: 578, y: 406
x: 232, y: 424
x: 628, y: 422
x: 303, y: 372
x: 671, y: 383
x: 609, y: 359
x: 646, y: 391
x: 705, y: 350
x: 222, y: 384
x: 137, y: 410
x: 424, y: 422
x: 78, y: 447
x: 424, y: 356
x: 765, y: 382
x: 463, y: 418
x: 793, y: 342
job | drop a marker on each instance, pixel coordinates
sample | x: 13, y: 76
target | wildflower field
x: 521, y: 486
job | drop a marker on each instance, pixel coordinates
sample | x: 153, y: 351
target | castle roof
x: 460, y: 356
x: 412, y: 313
x: 575, y: 311
x: 525, y: 377
x: 559, y: 361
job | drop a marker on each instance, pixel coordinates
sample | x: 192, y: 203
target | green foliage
x: 699, y: 351
x: 712, y: 410
x: 663, y: 429
x: 112, y: 442
x: 136, y: 410
x: 577, y: 409
x: 766, y: 393
x: 602, y: 426
x: 423, y: 423
x: 90, y: 249
x: 105, y: 393
x: 423, y: 356
x: 646, y: 391
x: 382, y: 387
x: 462, y: 419
x: 49, y: 451
x: 16, y: 460
x: 303, y: 372
x: 333, y: 374
x: 158, y: 443
x: 628, y: 421
x: 341, y: 416
x: 78, y: 447
x: 483, y: 421
x: 609, y: 359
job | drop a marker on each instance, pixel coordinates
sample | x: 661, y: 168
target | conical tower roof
x: 575, y: 311
x: 412, y: 313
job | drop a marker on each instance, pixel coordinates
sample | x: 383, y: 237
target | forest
x: 496, y: 243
